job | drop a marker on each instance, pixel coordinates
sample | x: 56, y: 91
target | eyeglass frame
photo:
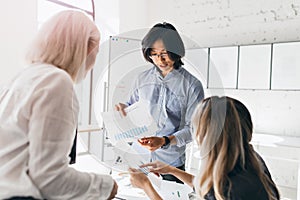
x: 161, y: 55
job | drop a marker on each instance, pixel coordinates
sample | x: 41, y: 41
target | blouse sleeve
x: 53, y: 118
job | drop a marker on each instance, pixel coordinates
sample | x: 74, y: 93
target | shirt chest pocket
x: 175, y: 103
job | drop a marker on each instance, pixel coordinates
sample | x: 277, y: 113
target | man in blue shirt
x: 172, y: 93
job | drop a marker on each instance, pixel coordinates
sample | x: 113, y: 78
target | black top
x: 246, y: 185
x: 72, y: 154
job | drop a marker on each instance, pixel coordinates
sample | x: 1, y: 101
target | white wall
x: 107, y: 17
x: 133, y: 14
x: 18, y: 25
x: 219, y: 23
x: 273, y: 112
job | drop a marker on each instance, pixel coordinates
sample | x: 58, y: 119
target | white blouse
x: 38, y: 116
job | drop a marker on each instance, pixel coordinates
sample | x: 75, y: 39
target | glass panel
x: 223, y: 67
x: 286, y: 66
x: 196, y: 62
x: 254, y: 67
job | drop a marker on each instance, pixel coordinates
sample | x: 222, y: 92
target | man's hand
x: 120, y: 107
x: 152, y: 143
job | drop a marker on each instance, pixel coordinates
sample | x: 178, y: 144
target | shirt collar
x: 171, y: 74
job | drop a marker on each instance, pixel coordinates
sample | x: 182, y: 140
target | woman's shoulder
x: 46, y: 77
x: 53, y: 71
x: 53, y: 74
x: 246, y: 184
x: 39, y: 76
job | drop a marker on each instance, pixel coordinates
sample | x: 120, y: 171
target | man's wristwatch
x: 167, y: 142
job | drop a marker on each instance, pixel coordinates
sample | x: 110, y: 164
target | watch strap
x: 167, y: 142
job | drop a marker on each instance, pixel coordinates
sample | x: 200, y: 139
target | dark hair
x: 171, y: 39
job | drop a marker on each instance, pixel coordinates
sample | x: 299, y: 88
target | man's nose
x: 160, y: 57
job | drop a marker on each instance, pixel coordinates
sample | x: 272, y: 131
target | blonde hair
x: 223, y: 129
x: 65, y: 41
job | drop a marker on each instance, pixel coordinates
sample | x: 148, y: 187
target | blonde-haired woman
x: 38, y: 115
x: 230, y: 168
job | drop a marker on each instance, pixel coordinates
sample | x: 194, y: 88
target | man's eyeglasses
x: 157, y: 56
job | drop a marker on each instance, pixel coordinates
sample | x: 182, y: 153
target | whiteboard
x: 125, y: 63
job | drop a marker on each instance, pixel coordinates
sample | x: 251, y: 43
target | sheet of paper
x: 155, y: 180
x: 138, y: 123
x: 125, y: 190
x: 128, y: 155
x: 174, y: 191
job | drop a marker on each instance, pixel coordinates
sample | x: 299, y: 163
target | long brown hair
x: 223, y: 129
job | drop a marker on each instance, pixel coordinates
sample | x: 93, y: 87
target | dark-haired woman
x: 230, y: 167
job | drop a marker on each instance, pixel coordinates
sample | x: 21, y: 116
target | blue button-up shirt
x: 172, y: 100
